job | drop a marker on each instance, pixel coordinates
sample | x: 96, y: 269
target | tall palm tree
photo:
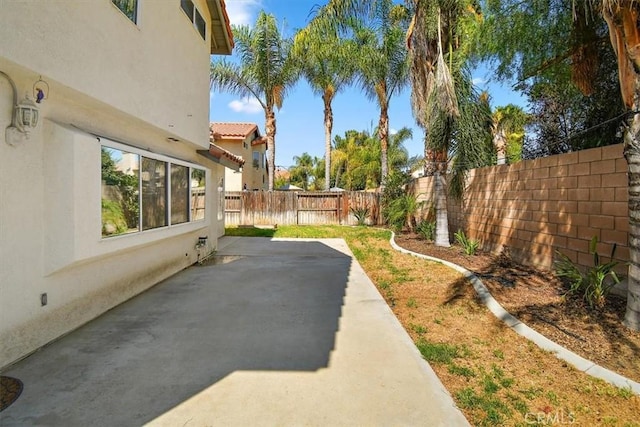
x: 382, y: 65
x: 377, y: 26
x: 266, y: 71
x: 324, y: 59
x: 443, y: 100
x: 622, y: 20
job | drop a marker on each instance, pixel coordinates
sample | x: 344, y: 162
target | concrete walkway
x: 271, y: 332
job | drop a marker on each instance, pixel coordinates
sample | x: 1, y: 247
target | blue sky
x: 300, y: 125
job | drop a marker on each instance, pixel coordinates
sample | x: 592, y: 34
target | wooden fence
x: 299, y: 208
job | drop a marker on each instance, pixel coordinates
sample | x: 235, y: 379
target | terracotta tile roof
x: 220, y: 152
x: 222, y: 156
x: 222, y: 130
x: 259, y: 140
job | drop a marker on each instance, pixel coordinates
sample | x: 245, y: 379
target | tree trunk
x: 442, y: 220
x: 632, y: 154
x: 622, y: 20
x: 270, y: 129
x: 383, y: 135
x: 328, y: 126
x: 500, y: 142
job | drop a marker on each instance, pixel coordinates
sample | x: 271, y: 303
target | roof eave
x: 221, y: 35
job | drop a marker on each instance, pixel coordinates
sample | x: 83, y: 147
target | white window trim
x: 105, y: 142
x: 192, y: 19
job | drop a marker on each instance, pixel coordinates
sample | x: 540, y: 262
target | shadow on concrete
x: 269, y: 305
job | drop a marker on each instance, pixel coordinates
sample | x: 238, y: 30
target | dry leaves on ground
x: 537, y: 298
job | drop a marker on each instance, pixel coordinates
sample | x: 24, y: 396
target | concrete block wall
x: 536, y: 207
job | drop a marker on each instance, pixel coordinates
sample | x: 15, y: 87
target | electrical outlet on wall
x: 43, y: 299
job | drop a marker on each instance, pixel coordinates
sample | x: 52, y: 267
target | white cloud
x: 392, y: 131
x: 246, y: 105
x: 478, y: 81
x: 242, y: 12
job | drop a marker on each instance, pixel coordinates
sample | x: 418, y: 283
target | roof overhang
x: 223, y: 157
x: 221, y: 35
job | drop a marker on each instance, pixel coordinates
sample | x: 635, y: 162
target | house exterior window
x: 128, y: 7
x: 195, y: 17
x: 154, y: 193
x: 143, y: 191
x: 256, y: 159
x: 179, y: 194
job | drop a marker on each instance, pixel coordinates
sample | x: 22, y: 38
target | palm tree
x: 324, y: 59
x: 382, y: 65
x: 444, y: 102
x: 267, y: 70
x: 398, y: 154
x: 622, y: 20
x: 303, y: 170
x: 376, y: 27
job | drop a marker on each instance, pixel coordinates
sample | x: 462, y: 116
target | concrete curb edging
x: 520, y: 328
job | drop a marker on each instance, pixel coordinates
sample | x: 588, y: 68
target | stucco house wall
x: 110, y: 81
x: 243, y: 139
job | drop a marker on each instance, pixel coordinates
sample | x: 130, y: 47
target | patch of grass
x: 532, y: 392
x: 488, y: 385
x: 461, y: 371
x: 553, y: 398
x: 418, y: 329
x: 249, y: 232
x: 517, y: 403
x: 437, y: 352
x: 412, y: 303
x: 499, y: 354
x: 488, y: 410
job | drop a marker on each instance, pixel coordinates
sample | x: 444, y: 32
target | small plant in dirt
x: 470, y: 246
x: 593, y: 283
x: 426, y: 229
x: 361, y: 214
x: 399, y: 206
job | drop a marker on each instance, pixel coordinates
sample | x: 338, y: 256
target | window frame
x: 196, y: 18
x: 169, y: 161
x: 133, y: 18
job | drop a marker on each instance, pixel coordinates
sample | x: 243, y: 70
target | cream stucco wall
x: 249, y: 175
x: 155, y: 70
x: 109, y: 80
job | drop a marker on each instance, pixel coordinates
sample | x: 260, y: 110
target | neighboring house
x: 243, y: 140
x: 115, y: 186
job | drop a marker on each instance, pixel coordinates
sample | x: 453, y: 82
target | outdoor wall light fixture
x: 23, y: 118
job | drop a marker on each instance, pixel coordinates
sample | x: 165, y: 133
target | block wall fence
x: 536, y: 207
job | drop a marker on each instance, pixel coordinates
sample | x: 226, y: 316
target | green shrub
x: 361, y: 214
x: 595, y: 282
x: 426, y: 229
x: 113, y: 219
x: 470, y: 246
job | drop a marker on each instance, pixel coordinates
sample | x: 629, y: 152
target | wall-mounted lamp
x: 23, y: 118
x: 27, y: 114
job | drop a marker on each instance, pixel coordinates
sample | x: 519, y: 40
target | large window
x: 142, y: 191
x: 195, y: 17
x: 154, y: 193
x: 128, y: 7
x: 179, y: 194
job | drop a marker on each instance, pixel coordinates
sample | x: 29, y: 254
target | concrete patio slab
x: 269, y: 332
